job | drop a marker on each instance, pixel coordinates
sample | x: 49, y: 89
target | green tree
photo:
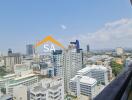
x: 116, y: 68
x: 3, y: 90
x: 2, y: 71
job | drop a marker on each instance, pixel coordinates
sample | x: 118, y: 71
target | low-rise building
x: 26, y: 80
x: 83, y: 85
x: 99, y: 72
x: 48, y: 89
x: 22, y: 76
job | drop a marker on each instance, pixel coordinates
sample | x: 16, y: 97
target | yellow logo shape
x: 49, y: 38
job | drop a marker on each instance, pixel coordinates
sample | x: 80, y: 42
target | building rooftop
x: 23, y: 78
x: 92, y: 67
x: 55, y: 86
x: 9, y: 75
x: 39, y: 88
x: 14, y: 55
x: 88, y: 80
x: 84, y: 79
x: 47, y: 83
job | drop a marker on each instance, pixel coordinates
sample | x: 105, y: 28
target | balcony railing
x: 118, y: 89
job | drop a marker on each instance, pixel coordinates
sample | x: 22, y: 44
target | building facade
x: 68, y: 62
x: 119, y: 51
x: 98, y: 72
x: 29, y: 49
x: 22, y: 76
x: 11, y: 60
x: 83, y: 85
x: 48, y: 89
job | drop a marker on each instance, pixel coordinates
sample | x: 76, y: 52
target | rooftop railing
x: 118, y: 89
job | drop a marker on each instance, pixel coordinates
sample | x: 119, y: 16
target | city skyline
x: 66, y: 50
x: 26, y: 22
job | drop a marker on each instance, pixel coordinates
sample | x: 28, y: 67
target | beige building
x: 20, y: 93
x: 119, y: 51
x: 11, y: 60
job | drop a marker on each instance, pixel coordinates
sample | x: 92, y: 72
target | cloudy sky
x: 113, y: 34
x: 102, y: 24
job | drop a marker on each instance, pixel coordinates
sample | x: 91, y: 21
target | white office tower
x: 83, y: 85
x: 98, y: 72
x: 58, y: 62
x: 48, y: 89
x: 72, y: 64
x: 68, y: 62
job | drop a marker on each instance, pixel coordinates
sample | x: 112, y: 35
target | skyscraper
x: 9, y: 51
x: 88, y: 48
x: 57, y: 59
x: 77, y: 45
x: 72, y: 62
x: 68, y: 62
x: 29, y: 49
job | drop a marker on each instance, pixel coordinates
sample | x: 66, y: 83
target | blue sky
x: 27, y: 21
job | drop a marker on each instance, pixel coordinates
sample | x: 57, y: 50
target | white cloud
x: 63, y: 27
x: 112, y: 35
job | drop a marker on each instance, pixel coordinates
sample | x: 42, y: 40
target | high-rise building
x: 9, y: 51
x: 72, y: 62
x: 29, y: 49
x: 58, y: 61
x: 77, y: 45
x: 11, y: 60
x: 68, y: 62
x: 88, y: 48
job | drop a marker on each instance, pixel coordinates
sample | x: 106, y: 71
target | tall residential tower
x: 68, y: 62
x: 29, y: 49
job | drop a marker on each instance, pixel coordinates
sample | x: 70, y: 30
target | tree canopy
x: 2, y: 71
x: 116, y: 68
